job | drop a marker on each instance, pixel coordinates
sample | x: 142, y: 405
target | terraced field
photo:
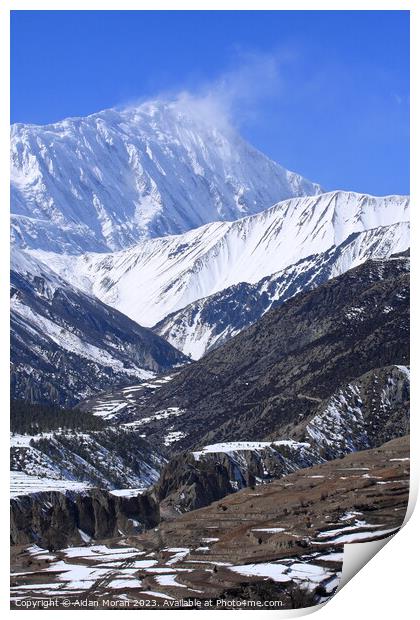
x: 260, y: 544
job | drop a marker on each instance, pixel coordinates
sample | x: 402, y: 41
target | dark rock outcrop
x: 295, y: 527
x: 54, y: 519
x: 187, y: 484
x: 193, y: 480
x: 257, y: 525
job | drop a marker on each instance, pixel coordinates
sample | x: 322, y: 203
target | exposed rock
x: 193, y: 480
x: 55, y: 520
x: 276, y: 373
x: 363, y: 414
x: 323, y: 492
x: 282, y: 541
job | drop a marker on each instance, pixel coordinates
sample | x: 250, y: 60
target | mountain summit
x: 106, y: 181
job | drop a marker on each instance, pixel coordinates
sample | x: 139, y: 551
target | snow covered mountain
x: 66, y: 345
x: 105, y: 181
x: 284, y: 368
x: 160, y: 276
x: 209, y: 322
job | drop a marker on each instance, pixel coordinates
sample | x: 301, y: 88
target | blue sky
x: 324, y: 93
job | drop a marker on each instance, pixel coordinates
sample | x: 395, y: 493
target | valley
x: 313, y: 344
x: 210, y: 370
x: 282, y: 542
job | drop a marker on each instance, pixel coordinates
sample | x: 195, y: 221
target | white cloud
x: 236, y: 95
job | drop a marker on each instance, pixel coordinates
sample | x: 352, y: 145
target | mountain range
x: 209, y: 322
x: 324, y: 374
x: 280, y: 370
x: 182, y: 287
x: 159, y: 276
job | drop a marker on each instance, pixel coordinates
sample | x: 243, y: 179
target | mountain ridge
x: 105, y: 181
x: 159, y: 276
x: 276, y: 371
x: 209, y: 322
x: 65, y: 343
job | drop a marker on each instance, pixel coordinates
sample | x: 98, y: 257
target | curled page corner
x: 357, y: 555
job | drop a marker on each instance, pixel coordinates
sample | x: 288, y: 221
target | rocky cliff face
x: 266, y: 543
x: 54, y: 520
x: 366, y: 413
x: 324, y: 375
x: 195, y: 479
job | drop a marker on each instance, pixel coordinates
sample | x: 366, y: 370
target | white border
x: 387, y: 585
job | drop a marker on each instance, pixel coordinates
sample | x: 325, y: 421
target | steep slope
x: 209, y: 322
x: 363, y: 414
x: 277, y: 372
x: 192, y: 480
x: 159, y: 276
x: 66, y: 345
x: 110, y: 459
x: 106, y: 181
x: 56, y: 449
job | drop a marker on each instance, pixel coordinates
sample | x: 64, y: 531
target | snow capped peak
x: 159, y: 276
x: 105, y: 181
